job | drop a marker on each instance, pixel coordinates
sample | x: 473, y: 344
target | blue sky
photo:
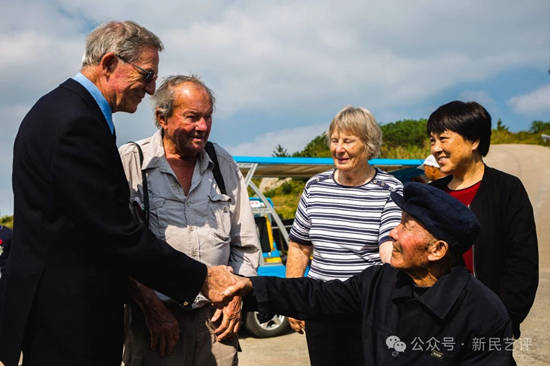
x: 282, y: 69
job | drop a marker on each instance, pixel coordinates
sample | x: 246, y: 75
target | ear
x: 475, y: 144
x: 161, y: 118
x: 437, y: 250
x: 108, y: 62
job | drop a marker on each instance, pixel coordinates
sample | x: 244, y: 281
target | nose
x: 150, y: 87
x: 201, y: 124
x: 393, y: 232
x: 339, y: 147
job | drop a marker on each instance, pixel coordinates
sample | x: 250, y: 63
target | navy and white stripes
x: 345, y: 224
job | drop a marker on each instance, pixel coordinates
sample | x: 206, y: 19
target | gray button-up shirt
x: 211, y: 227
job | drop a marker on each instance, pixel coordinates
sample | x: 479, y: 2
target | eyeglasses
x: 148, y: 75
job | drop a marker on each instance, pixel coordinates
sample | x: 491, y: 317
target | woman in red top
x: 505, y: 255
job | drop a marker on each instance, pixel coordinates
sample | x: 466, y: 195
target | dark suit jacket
x: 75, y: 241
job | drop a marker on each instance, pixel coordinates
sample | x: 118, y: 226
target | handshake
x: 221, y: 285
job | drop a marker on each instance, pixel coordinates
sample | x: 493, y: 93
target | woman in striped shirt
x: 344, y: 218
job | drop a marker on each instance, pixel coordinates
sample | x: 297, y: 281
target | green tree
x: 7, y: 221
x: 404, y: 133
x: 280, y: 151
x: 539, y: 126
x: 501, y: 126
x: 317, y: 147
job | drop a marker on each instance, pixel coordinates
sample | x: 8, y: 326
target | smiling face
x: 186, y: 131
x: 348, y: 151
x: 453, y: 152
x: 127, y: 84
x: 411, y: 244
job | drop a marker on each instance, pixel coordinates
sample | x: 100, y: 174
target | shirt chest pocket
x: 157, y: 217
x: 219, y: 216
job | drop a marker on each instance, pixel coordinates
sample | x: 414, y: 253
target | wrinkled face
x: 186, y: 131
x: 348, y: 151
x: 411, y: 243
x: 127, y: 84
x: 452, y: 151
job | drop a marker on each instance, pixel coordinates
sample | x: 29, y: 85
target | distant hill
x: 407, y: 139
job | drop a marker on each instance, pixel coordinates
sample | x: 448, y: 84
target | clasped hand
x: 221, y: 285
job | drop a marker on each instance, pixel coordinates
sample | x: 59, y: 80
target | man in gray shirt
x: 190, y: 210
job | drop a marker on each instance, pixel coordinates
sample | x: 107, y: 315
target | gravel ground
x: 531, y: 164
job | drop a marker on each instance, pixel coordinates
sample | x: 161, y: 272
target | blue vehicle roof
x: 308, y: 167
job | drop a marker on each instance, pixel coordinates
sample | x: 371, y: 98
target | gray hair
x: 361, y: 123
x: 126, y: 39
x: 163, y: 99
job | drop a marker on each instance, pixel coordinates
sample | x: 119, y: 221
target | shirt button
x: 191, y: 228
x: 186, y: 303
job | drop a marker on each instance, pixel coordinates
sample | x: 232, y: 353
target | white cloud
x: 292, y: 139
x: 296, y: 54
x: 282, y: 58
x: 533, y: 103
x: 11, y: 115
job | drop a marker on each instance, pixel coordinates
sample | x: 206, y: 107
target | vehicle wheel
x: 271, y: 328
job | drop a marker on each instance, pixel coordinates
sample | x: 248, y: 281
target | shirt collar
x: 439, y: 298
x: 99, y: 98
x: 153, y: 156
x: 204, y: 161
x: 153, y: 153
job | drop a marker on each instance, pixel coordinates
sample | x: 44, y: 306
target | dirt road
x: 532, y: 165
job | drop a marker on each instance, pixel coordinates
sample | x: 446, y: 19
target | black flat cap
x: 445, y: 217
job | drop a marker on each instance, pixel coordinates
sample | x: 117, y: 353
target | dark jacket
x: 506, y: 251
x: 75, y: 241
x: 450, y: 323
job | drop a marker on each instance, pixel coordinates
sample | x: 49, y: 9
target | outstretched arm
x: 298, y: 258
x: 306, y: 298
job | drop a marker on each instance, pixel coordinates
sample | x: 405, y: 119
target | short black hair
x: 468, y: 119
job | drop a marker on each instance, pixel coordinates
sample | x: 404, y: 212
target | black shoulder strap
x: 144, y: 186
x: 216, y: 169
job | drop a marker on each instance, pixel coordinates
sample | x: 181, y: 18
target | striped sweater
x: 345, y: 224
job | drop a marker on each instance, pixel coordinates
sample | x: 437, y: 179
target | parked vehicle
x: 273, y: 260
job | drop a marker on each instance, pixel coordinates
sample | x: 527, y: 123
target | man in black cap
x: 423, y: 309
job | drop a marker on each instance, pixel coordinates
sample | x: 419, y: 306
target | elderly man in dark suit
x: 75, y: 242
x: 424, y: 308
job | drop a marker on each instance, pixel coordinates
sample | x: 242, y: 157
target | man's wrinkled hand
x: 163, y: 328
x: 220, y: 285
x: 297, y: 325
x: 231, y: 319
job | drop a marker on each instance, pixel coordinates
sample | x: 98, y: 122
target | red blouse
x: 466, y: 196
